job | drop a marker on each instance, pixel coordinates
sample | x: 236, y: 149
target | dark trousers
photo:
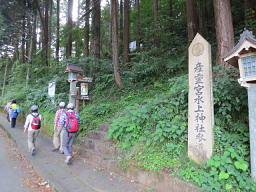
x: 13, y: 122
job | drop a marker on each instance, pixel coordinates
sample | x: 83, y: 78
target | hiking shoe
x: 33, y: 152
x: 68, y: 160
x: 55, y: 149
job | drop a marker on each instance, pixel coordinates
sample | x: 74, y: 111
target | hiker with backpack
x: 14, y: 111
x: 32, y: 127
x: 69, y: 120
x: 58, y: 129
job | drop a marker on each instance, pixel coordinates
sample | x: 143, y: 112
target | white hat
x: 34, y: 108
x: 62, y: 104
x: 70, y: 106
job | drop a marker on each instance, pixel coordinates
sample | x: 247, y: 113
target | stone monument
x: 200, y: 101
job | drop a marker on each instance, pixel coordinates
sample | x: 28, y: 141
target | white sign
x: 51, y: 89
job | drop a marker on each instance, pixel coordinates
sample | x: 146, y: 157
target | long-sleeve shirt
x: 57, y: 117
x: 63, y: 117
x: 29, y: 120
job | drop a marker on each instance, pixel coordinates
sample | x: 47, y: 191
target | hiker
x: 58, y: 129
x: 7, y: 108
x: 32, y: 126
x: 14, y: 111
x: 70, y: 121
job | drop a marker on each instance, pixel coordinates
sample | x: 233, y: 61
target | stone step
x: 100, y: 135
x: 104, y: 147
x: 104, y: 127
x: 160, y: 182
x: 100, y: 160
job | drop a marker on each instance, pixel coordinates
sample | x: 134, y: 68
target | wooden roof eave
x: 233, y: 56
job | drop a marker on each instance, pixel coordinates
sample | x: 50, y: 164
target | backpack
x: 71, y: 123
x: 36, y: 122
x: 18, y: 110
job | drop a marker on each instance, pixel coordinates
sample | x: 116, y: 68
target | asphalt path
x: 10, y: 175
x: 79, y: 177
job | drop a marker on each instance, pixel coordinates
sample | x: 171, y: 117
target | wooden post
x: 252, y: 127
x: 77, y: 99
x: 72, y: 94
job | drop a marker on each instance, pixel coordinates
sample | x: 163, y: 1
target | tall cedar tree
x: 171, y: 13
x: 96, y: 14
x: 34, y: 39
x: 69, y: 30
x: 224, y: 29
x: 115, y: 43
x: 156, y: 38
x: 86, y: 28
x: 77, y: 46
x: 50, y: 27
x: 126, y: 32
x: 121, y: 25
x: 201, y: 17
x: 137, y: 5
x: 58, y: 31
x: 190, y: 19
x: 46, y: 32
x: 23, y: 52
x: 44, y: 27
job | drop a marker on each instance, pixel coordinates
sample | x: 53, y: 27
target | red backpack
x: 36, y: 122
x: 71, y: 123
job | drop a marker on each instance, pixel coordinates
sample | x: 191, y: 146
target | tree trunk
x: 23, y: 52
x: 121, y: 26
x: 126, y: 32
x: 69, y: 30
x: 190, y: 19
x: 58, y: 31
x: 16, y: 50
x: 171, y: 8
x: 201, y: 22
x: 5, y: 74
x: 86, y: 28
x: 156, y: 38
x: 77, y: 54
x: 40, y: 35
x: 50, y: 30
x: 44, y: 26
x: 96, y: 14
x: 115, y: 43
x: 224, y: 29
x: 28, y: 37
x: 137, y: 5
x: 34, y: 36
x: 171, y: 14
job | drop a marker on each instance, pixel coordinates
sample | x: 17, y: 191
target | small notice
x: 51, y: 89
x: 84, y: 89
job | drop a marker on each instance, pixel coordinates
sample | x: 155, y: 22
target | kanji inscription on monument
x: 200, y: 101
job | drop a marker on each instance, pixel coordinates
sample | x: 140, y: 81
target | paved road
x: 10, y: 175
x: 79, y: 177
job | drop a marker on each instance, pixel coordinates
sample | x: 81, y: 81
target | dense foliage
x: 160, y: 123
